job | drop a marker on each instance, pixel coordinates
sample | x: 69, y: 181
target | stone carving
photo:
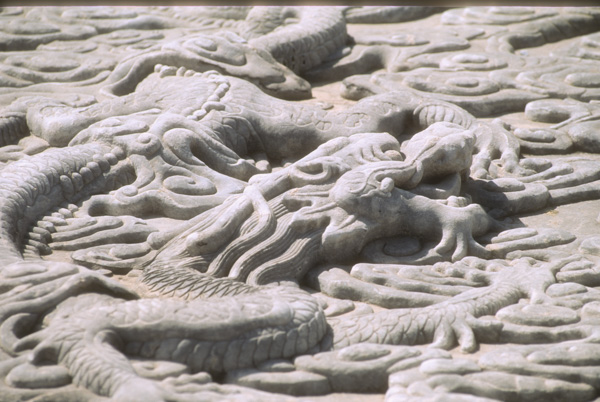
x: 189, y: 210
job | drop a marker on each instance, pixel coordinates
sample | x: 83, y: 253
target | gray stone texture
x: 277, y: 203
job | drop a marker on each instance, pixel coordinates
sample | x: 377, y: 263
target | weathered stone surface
x: 533, y: 314
x: 288, y: 381
x: 271, y: 202
x: 359, y: 368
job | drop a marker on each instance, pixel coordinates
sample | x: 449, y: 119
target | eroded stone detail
x: 192, y: 209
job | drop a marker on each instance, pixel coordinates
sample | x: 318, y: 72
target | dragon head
x: 224, y: 52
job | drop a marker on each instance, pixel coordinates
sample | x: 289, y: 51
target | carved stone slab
x: 299, y: 203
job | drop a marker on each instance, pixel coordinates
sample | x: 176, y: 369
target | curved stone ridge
x: 237, y: 203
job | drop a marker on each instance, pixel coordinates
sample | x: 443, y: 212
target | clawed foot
x: 371, y: 147
x: 496, y: 153
x: 459, y: 224
x: 459, y: 236
x: 464, y: 329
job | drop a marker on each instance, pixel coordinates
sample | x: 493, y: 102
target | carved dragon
x: 220, y: 292
x: 353, y: 178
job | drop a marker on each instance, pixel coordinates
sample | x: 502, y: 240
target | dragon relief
x: 325, y: 207
x: 259, y: 242
x: 222, y: 231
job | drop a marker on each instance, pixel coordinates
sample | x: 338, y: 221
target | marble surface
x: 299, y: 203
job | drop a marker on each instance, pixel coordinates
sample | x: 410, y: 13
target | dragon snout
x: 291, y: 88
